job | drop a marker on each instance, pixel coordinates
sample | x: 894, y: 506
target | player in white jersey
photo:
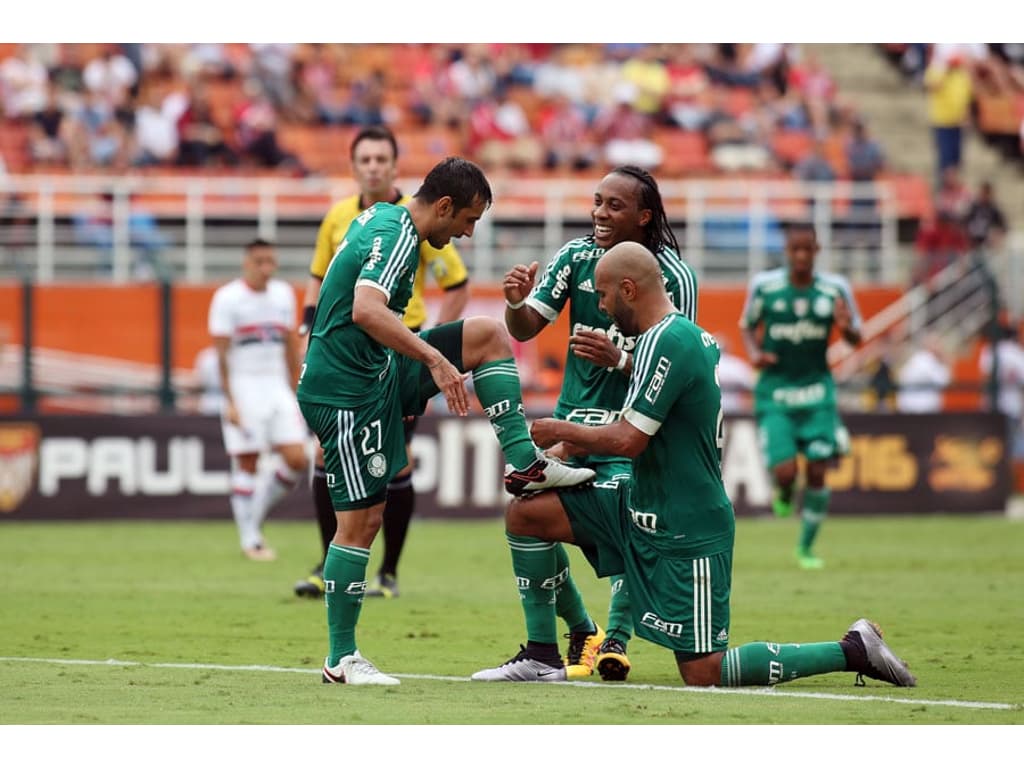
x: 252, y: 322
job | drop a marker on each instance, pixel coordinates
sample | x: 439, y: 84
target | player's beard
x: 625, y: 318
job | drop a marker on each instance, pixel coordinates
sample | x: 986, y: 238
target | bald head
x: 631, y: 288
x: 633, y: 261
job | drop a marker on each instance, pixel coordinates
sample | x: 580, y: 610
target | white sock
x: 271, y: 486
x: 242, y: 497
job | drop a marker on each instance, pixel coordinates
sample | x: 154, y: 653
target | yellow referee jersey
x: 445, y: 264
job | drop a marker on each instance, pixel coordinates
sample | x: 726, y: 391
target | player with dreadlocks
x: 627, y: 207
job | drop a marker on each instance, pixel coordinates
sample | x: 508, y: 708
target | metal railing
x: 66, y: 228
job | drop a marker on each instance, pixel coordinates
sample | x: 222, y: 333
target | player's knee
x: 516, y: 521
x: 701, y: 672
x: 488, y: 336
x: 246, y: 462
x: 296, y: 461
x: 785, y: 473
x: 360, y: 531
x: 816, y: 474
x: 523, y: 518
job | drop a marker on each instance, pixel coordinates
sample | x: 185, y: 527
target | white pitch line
x: 773, y: 692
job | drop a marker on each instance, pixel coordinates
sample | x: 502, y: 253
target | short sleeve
x: 552, y: 292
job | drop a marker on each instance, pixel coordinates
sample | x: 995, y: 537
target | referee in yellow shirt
x: 374, y: 155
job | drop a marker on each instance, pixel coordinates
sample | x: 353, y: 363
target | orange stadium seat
x: 686, y: 152
x: 999, y: 114
x: 913, y: 196
x: 321, y: 148
x: 14, y: 147
x: 791, y: 146
x: 421, y: 149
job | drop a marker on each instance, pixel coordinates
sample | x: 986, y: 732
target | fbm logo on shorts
x: 670, y: 628
x: 657, y: 380
x: 645, y: 521
x: 19, y: 455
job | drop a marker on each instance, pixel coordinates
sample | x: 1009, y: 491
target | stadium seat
x: 421, y: 149
x: 686, y: 152
x: 791, y: 146
x: 14, y: 146
x: 999, y: 114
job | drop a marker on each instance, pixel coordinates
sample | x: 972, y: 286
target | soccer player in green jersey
x: 627, y: 207
x: 365, y: 371
x: 670, y: 526
x: 787, y: 321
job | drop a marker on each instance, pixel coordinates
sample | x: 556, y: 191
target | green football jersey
x: 592, y: 394
x: 676, y: 496
x: 797, y: 323
x: 344, y: 366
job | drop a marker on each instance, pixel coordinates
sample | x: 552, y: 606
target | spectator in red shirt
x: 953, y: 195
x: 938, y: 245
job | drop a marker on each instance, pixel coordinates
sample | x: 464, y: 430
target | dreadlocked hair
x: 657, y: 234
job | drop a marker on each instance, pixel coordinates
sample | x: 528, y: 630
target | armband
x: 517, y: 305
x: 622, y: 361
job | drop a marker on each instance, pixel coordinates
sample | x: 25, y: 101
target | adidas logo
x: 587, y: 285
x: 723, y: 636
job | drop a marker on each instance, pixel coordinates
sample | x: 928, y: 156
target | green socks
x: 568, y: 600
x: 345, y: 582
x: 771, y: 663
x: 534, y: 563
x: 815, y: 509
x: 501, y: 395
x: 620, y: 619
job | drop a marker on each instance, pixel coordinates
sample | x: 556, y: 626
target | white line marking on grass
x: 620, y: 686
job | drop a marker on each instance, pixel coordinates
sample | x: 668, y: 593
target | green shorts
x: 364, y: 447
x: 817, y: 433
x: 680, y: 602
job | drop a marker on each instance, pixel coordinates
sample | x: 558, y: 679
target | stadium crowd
x: 976, y: 86
x: 680, y: 109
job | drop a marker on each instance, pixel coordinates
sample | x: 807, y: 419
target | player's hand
x: 452, y: 384
x: 764, y: 359
x: 595, y: 347
x: 519, y: 281
x: 841, y: 316
x: 563, y: 450
x: 231, y: 413
x: 545, y: 432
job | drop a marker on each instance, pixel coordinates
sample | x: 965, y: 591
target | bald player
x: 670, y: 526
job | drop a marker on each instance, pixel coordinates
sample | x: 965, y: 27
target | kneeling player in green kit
x: 670, y: 527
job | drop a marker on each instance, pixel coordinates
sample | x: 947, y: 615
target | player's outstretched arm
x: 523, y: 322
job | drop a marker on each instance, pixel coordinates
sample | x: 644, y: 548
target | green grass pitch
x: 207, y: 637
